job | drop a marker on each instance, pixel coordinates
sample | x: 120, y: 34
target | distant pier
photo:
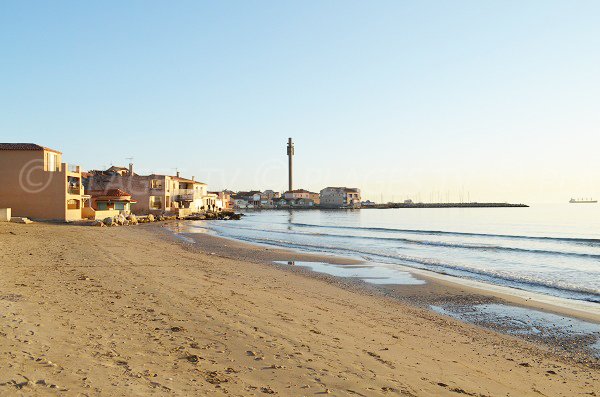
x: 446, y: 205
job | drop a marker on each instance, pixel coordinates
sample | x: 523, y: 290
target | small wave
x: 478, y: 247
x: 441, y: 232
x: 590, y: 294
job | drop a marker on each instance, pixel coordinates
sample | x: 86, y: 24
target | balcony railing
x: 184, y: 191
x: 74, y: 168
x: 184, y: 197
x: 74, y: 190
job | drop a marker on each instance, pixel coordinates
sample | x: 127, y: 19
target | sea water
x: 551, y: 249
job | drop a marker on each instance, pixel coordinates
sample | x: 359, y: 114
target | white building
x: 340, y: 197
x: 188, y: 193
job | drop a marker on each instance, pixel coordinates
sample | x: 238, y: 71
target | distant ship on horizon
x: 582, y: 201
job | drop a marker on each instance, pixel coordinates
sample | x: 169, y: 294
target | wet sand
x: 572, y: 332
x: 135, y: 311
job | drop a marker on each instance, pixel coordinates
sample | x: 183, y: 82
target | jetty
x: 446, y: 205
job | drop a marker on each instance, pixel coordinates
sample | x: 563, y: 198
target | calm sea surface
x: 553, y: 249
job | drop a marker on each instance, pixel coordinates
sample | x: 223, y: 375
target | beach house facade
x: 271, y: 195
x: 35, y: 183
x: 224, y: 200
x: 340, y: 197
x: 296, y: 194
x: 107, y: 203
x: 302, y: 198
x: 113, y: 199
x: 189, y: 193
x: 315, y: 197
x: 251, y: 199
x: 153, y: 193
x: 211, y: 202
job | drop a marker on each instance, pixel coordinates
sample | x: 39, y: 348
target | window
x: 52, y: 162
x: 155, y: 202
x: 156, y: 184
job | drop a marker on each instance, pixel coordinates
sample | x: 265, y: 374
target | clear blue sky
x: 499, y: 98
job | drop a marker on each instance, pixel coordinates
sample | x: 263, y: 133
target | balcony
x: 184, y: 197
x: 77, y: 190
x: 185, y: 194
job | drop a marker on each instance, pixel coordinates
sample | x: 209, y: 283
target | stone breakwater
x: 132, y: 220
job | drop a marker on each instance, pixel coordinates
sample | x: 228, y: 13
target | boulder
x: 195, y: 217
x: 110, y: 221
x: 120, y: 219
x: 150, y: 218
x: 211, y: 215
x: 18, y: 219
x: 98, y: 224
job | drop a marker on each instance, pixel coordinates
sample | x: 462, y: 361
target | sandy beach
x: 134, y: 311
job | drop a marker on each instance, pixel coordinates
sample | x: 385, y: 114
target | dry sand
x: 128, y: 311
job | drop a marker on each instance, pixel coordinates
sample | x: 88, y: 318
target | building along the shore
x: 340, y: 197
x: 189, y: 193
x: 301, y: 198
x: 224, y: 200
x: 155, y: 193
x: 35, y: 183
x: 108, y: 203
x: 296, y: 194
x: 250, y: 199
x: 220, y: 203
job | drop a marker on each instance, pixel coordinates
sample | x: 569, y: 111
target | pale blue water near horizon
x: 552, y: 249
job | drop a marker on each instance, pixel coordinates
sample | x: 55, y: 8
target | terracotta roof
x: 25, y: 146
x: 107, y: 193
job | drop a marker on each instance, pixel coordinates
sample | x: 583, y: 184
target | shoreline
x: 390, y: 206
x: 439, y: 289
x: 584, y: 310
x: 137, y: 311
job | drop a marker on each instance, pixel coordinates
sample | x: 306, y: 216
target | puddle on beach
x: 566, y: 332
x: 371, y: 273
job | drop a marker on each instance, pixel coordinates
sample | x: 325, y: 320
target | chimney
x: 177, y: 174
x: 130, y: 169
x: 193, y: 178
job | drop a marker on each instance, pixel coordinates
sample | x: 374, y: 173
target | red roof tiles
x: 24, y: 146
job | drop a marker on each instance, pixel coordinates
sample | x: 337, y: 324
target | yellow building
x: 36, y: 184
